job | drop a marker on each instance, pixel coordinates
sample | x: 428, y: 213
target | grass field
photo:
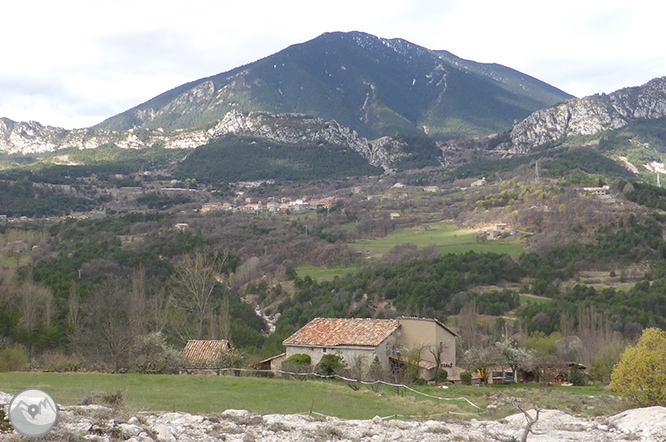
x: 533, y: 299
x: 444, y: 235
x: 322, y: 274
x: 212, y: 394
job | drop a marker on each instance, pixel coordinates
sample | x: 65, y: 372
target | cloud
x: 77, y: 62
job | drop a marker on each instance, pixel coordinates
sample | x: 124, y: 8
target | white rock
x: 164, y: 433
x: 650, y: 422
x: 231, y: 413
x: 142, y: 437
x: 5, y: 398
x: 130, y: 430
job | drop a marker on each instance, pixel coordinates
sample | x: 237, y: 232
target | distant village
x: 271, y: 205
x: 244, y: 204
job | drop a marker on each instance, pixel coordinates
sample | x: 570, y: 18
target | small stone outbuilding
x: 203, y: 356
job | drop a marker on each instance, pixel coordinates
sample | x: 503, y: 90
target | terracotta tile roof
x: 203, y: 354
x: 332, y: 332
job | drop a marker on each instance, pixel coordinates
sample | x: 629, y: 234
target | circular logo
x: 33, y: 412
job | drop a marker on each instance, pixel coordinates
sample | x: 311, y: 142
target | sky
x: 75, y: 63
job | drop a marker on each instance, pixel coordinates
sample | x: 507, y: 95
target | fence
x: 236, y: 371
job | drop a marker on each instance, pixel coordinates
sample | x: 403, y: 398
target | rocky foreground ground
x: 95, y: 422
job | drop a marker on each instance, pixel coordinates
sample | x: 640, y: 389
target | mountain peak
x: 373, y: 85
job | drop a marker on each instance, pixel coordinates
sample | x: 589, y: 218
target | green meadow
x: 214, y: 394
x: 445, y: 236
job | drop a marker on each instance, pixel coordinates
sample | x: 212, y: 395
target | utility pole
x: 536, y: 171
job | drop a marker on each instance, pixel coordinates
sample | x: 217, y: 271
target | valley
x: 345, y: 177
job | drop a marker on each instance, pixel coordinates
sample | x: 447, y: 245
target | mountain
x: 591, y: 115
x: 372, y: 85
x: 298, y: 131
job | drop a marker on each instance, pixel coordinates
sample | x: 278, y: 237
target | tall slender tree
x: 194, y: 283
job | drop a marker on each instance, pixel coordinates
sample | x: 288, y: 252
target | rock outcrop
x: 97, y: 422
x: 32, y: 137
x: 290, y: 129
x: 590, y: 115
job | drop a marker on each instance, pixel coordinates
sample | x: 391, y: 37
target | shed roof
x: 204, y: 353
x: 354, y: 332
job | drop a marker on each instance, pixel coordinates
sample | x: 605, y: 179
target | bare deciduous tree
x: 469, y: 329
x: 34, y: 303
x: 73, y: 306
x: 194, y: 282
x: 224, y: 319
x: 137, y: 303
x: 105, y: 331
x: 157, y: 306
x: 437, y: 352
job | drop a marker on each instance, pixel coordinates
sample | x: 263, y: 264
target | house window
x: 323, y: 350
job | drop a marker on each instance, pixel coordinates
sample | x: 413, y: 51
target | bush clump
x: 13, y: 358
x: 59, y: 362
x: 330, y: 365
x: 298, y: 363
x: 299, y: 359
x: 232, y: 359
x: 152, y: 354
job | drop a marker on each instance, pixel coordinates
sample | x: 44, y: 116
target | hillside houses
x: 498, y: 231
x: 271, y: 205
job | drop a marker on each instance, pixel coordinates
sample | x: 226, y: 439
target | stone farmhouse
x: 387, y: 340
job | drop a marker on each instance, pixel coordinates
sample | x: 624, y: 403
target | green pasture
x: 322, y: 273
x: 531, y: 299
x: 445, y: 236
x: 213, y: 394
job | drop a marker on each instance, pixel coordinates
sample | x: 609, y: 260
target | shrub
x: 13, y: 359
x: 442, y: 375
x: 466, y: 378
x: 640, y: 372
x: 298, y: 363
x: 299, y: 359
x: 376, y: 371
x: 152, y: 354
x: 232, y: 359
x: 59, y: 362
x: 113, y: 399
x: 577, y: 377
x: 604, y: 361
x: 330, y: 365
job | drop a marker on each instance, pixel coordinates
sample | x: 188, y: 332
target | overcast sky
x: 74, y: 63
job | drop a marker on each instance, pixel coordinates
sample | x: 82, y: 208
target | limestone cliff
x: 590, y: 115
x: 32, y: 137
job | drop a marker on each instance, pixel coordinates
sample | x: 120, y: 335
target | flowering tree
x: 640, y: 372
